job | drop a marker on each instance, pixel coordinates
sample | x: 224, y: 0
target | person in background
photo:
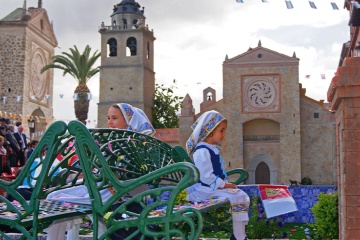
x: 120, y: 116
x: 21, y: 139
x: 209, y: 132
x: 3, y: 157
x: 14, y: 146
x: 32, y: 144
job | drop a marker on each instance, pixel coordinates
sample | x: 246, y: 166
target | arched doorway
x: 262, y: 170
x: 40, y: 124
x: 262, y: 174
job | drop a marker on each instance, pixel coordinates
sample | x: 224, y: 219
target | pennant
x: 61, y: 95
x: 239, y: 1
x: 265, y: 1
x: 18, y: 98
x: 356, y: 4
x: 47, y: 96
x: 307, y: 76
x: 334, y: 6
x: 76, y: 96
x: 88, y: 96
x: 323, y: 76
x: 312, y: 4
x: 3, y: 100
x: 277, y: 200
x: 289, y: 5
x: 32, y: 97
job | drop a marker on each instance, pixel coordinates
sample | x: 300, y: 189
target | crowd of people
x: 15, y: 148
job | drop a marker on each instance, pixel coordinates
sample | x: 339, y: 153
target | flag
x: 76, y: 96
x: 265, y: 1
x: 240, y: 1
x: 277, y: 200
x: 312, y: 5
x: 307, y: 76
x: 334, y: 6
x: 18, y: 98
x: 61, y: 95
x: 289, y: 5
x: 47, y: 96
x: 3, y: 100
x: 322, y: 76
x: 356, y: 4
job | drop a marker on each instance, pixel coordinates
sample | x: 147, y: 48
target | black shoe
x: 232, y: 237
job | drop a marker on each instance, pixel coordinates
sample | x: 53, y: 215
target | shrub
x: 326, y: 216
x: 306, y: 181
x: 259, y: 226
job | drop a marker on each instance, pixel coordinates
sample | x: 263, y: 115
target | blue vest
x: 216, y: 164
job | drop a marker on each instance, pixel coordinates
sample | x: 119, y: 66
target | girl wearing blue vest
x: 208, y: 132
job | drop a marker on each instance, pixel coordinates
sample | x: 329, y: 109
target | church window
x: 316, y: 115
x: 41, y: 24
x: 112, y: 47
x: 148, y: 51
x: 131, y: 47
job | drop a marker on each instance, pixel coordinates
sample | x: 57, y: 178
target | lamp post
x: 31, y: 124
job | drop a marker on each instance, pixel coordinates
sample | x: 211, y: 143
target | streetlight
x: 31, y: 124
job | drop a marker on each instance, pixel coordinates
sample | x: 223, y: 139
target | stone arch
x: 131, y: 45
x: 112, y: 47
x: 267, y: 159
x: 40, y: 123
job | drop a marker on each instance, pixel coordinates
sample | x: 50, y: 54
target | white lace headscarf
x: 202, y: 127
x: 136, y: 119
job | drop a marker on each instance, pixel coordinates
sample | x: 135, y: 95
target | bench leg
x: 101, y: 226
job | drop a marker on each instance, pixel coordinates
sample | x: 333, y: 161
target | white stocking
x: 73, y: 233
x: 56, y: 231
x: 239, y: 230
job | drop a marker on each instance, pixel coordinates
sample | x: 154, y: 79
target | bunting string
x: 289, y: 4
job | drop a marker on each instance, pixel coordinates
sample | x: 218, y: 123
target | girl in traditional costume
x: 208, y: 133
x: 120, y: 116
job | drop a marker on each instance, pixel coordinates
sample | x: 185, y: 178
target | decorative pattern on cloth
x: 202, y: 127
x: 136, y: 119
x: 238, y: 208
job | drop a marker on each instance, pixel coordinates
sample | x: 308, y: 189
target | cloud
x: 193, y: 38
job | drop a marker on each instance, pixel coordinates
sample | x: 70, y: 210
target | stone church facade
x: 275, y: 131
x: 27, y: 43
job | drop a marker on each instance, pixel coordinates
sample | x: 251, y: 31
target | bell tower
x: 127, y: 60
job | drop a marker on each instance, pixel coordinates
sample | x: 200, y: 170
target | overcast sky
x: 194, y: 36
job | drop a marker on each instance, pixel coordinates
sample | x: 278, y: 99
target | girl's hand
x: 230, y: 185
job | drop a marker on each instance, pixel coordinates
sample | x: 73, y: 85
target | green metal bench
x: 116, y: 159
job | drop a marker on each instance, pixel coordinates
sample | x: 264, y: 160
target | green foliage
x: 306, y: 181
x: 259, y: 226
x: 166, y: 106
x: 326, y: 216
x: 181, y: 198
x: 79, y: 65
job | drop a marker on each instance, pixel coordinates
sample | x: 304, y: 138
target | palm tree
x: 80, y: 66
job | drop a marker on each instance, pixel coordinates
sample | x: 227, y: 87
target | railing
x: 121, y: 27
x: 261, y: 137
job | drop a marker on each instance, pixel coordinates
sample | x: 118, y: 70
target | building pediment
x: 40, y: 22
x: 261, y: 56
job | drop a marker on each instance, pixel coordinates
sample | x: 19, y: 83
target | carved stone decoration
x: 260, y: 94
x: 37, y: 80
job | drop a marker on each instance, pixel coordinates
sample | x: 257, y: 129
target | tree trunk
x: 81, y: 105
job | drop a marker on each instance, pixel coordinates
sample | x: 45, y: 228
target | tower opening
x: 112, y: 47
x: 131, y: 47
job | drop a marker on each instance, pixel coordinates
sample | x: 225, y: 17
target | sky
x: 194, y: 36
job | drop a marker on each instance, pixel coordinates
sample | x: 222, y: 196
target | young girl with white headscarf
x: 120, y: 116
x: 208, y: 133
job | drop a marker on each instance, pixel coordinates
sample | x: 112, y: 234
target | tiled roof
x: 15, y: 15
x: 167, y: 134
